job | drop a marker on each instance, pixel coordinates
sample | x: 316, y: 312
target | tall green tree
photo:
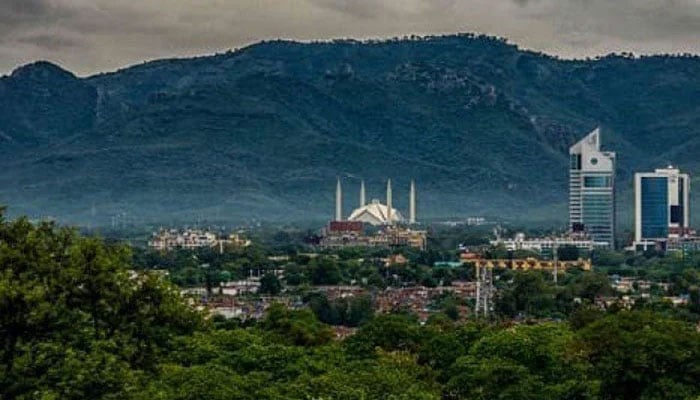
x: 529, y: 295
x: 270, y: 284
x: 69, y: 304
x: 643, y: 355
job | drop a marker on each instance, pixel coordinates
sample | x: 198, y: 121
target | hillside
x: 263, y: 132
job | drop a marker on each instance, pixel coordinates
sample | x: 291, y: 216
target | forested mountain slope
x: 264, y: 131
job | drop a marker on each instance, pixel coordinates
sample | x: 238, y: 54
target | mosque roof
x: 375, y: 213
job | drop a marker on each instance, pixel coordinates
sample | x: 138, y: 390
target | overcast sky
x: 89, y: 36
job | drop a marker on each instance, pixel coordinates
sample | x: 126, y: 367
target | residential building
x: 545, y: 246
x: 171, y: 239
x: 187, y: 239
x: 592, y: 190
x: 345, y: 234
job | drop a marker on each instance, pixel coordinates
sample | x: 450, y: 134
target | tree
x: 528, y: 294
x: 293, y: 274
x: 440, y: 350
x: 349, y: 312
x: 452, y: 311
x: 642, y: 354
x: 360, y: 310
x: 492, y: 378
x: 585, y: 315
x: 390, y: 376
x: 376, y: 280
x: 522, y: 362
x: 591, y: 285
x: 325, y: 271
x: 388, y: 332
x: 607, y: 258
x: 324, y: 310
x: 210, y: 382
x: 270, y: 284
x: 74, y: 322
x: 301, y: 328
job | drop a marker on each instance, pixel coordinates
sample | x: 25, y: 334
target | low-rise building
x: 689, y: 242
x: 527, y: 264
x: 545, y: 246
x: 190, y: 239
x: 234, y: 240
x: 341, y: 234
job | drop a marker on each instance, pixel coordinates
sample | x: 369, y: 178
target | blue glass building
x: 661, y: 205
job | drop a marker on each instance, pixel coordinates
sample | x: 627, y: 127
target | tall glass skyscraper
x: 661, y: 200
x: 592, y: 190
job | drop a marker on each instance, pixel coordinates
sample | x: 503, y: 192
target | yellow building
x: 531, y: 264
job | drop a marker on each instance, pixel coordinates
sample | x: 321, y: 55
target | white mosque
x: 375, y: 213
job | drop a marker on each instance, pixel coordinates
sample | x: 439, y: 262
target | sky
x: 91, y: 36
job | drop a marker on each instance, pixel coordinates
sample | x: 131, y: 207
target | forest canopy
x: 77, y: 322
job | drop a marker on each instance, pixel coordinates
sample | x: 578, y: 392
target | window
x: 676, y: 214
x: 597, y: 181
x: 575, y: 162
x: 655, y: 208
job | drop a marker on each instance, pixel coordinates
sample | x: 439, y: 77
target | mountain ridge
x: 262, y: 132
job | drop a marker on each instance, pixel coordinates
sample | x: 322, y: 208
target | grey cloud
x: 49, y: 42
x: 19, y: 8
x: 23, y: 12
x: 626, y: 19
x: 89, y: 36
x: 377, y: 9
x: 357, y: 9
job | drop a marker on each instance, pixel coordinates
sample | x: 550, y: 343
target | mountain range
x: 264, y: 131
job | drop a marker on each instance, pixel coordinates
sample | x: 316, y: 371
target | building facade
x: 547, y: 245
x: 662, y: 205
x: 351, y: 234
x: 191, y: 239
x: 166, y: 240
x: 592, y: 190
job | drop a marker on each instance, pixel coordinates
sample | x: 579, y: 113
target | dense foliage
x: 361, y: 266
x: 76, y: 323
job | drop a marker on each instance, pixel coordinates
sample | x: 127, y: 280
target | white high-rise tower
x: 592, y: 189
